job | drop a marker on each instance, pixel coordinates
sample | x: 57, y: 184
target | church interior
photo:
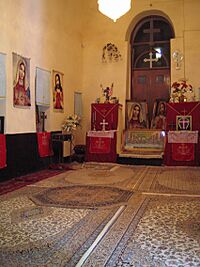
x: 99, y: 133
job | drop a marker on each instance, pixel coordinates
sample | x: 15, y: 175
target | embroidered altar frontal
x: 145, y: 140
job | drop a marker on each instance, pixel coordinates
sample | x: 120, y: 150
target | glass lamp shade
x: 114, y: 9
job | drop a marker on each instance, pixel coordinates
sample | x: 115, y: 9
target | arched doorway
x: 150, y: 60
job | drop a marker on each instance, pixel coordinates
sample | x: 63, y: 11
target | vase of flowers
x: 181, y: 91
x: 70, y: 123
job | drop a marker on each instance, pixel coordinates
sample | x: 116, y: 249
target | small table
x: 60, y: 138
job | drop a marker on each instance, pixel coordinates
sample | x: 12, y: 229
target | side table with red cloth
x: 101, y: 146
x: 185, y: 109
x: 44, y: 144
x: 2, y: 151
x: 182, y: 148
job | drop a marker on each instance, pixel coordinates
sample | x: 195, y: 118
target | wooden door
x: 150, y: 85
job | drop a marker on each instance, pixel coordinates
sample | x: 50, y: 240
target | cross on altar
x: 184, y: 112
x: 183, y: 149
x: 99, y: 143
x: 184, y: 123
x: 104, y: 123
x: 151, y: 59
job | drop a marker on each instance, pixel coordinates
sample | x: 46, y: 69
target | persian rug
x: 46, y: 236
x: 28, y: 179
x: 99, y: 166
x: 81, y: 196
x: 164, y: 232
x: 119, y: 176
x: 171, y: 180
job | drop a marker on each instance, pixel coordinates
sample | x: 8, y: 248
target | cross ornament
x: 151, y: 59
x: 104, y: 123
x: 184, y: 112
x: 43, y: 117
x: 99, y: 143
x: 183, y: 149
x: 184, y: 123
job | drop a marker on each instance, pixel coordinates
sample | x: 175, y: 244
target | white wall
x: 49, y: 33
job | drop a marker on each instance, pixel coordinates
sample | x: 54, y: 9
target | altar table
x: 182, y: 109
x: 101, y: 146
x: 181, y: 148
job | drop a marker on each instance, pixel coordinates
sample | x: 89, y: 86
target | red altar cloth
x: 107, y: 112
x: 186, y: 109
x: 44, y: 144
x: 2, y: 151
x: 183, y: 152
x: 101, y: 146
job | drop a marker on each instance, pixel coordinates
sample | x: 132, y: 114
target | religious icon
x: 58, y: 99
x: 159, y: 115
x: 137, y: 115
x: 184, y: 123
x: 21, y: 81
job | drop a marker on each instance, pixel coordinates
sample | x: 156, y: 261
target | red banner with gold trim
x: 44, y: 144
x: 2, y: 151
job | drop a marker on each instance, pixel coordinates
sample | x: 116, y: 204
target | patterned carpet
x: 113, y: 209
x: 165, y: 232
x: 81, y: 196
x: 21, y: 181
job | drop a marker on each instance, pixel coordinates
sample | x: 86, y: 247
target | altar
x: 103, y: 141
x: 183, y: 126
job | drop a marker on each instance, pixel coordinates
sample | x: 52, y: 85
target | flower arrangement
x: 180, y: 90
x: 71, y: 123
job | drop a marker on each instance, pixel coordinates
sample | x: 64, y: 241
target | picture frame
x: 1, y: 124
x: 184, y: 123
x: 21, y: 81
x: 136, y: 115
x: 58, y: 92
x: 158, y: 120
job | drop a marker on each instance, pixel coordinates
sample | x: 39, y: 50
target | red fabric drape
x: 100, y: 145
x: 101, y: 149
x: 109, y: 112
x: 2, y: 151
x: 171, y: 156
x: 183, y: 152
x: 44, y: 144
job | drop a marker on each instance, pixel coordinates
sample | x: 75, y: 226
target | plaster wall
x: 49, y: 33
x: 100, y: 30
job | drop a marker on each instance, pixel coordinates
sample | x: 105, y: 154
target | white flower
x: 70, y: 123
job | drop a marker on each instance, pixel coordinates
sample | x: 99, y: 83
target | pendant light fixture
x: 114, y: 9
